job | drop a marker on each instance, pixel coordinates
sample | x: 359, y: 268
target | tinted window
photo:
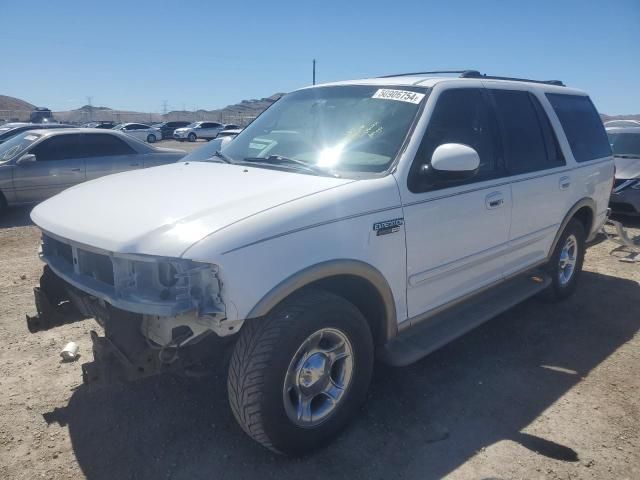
x: 525, y: 146
x: 625, y: 143
x: 96, y: 145
x: 60, y: 147
x: 460, y: 116
x: 582, y: 126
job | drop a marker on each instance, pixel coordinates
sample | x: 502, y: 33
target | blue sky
x: 138, y: 53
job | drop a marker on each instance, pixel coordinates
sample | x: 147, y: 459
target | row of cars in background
x: 39, y: 160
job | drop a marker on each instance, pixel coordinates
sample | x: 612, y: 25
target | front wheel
x: 192, y: 137
x: 298, y: 375
x: 151, y: 138
x: 565, y: 264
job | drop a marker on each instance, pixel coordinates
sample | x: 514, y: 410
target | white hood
x: 164, y: 210
x: 627, y: 168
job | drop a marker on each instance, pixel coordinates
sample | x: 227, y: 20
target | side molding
x: 328, y: 269
x: 585, y: 202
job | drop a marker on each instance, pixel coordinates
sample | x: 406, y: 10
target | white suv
x: 380, y: 217
x: 196, y: 130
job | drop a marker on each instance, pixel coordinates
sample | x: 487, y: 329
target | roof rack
x: 435, y: 72
x: 477, y: 74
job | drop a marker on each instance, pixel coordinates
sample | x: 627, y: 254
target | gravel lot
x: 543, y: 391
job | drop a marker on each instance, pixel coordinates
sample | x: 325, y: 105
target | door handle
x: 564, y: 183
x: 134, y: 164
x: 494, y: 200
x: 76, y: 169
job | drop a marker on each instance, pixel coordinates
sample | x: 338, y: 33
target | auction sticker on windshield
x: 399, y: 95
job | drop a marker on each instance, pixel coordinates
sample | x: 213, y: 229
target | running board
x: 427, y: 336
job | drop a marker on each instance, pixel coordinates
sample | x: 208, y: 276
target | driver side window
x: 464, y: 116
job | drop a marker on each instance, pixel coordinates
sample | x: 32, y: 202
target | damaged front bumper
x: 154, y: 311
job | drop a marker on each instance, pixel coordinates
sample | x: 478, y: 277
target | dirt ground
x: 543, y: 391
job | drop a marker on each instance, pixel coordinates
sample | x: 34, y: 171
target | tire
x: 570, y: 249
x: 151, y: 138
x: 260, y: 390
x: 192, y: 137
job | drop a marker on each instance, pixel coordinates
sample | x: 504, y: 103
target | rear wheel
x: 298, y: 375
x: 192, y: 137
x: 151, y: 138
x: 565, y: 264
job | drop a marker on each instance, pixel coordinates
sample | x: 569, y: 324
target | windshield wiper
x: 286, y: 161
x: 222, y: 156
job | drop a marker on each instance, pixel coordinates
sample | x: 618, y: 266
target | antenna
x: 314, y: 71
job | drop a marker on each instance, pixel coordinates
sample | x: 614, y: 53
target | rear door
x: 210, y: 130
x: 540, y: 179
x: 58, y: 165
x: 106, y: 153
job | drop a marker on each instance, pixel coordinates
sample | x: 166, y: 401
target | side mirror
x: 27, y: 158
x: 452, y: 162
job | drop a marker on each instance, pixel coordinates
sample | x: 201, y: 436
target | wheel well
x: 585, y: 216
x: 364, y: 295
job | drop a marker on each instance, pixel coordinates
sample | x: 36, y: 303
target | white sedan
x: 141, y: 131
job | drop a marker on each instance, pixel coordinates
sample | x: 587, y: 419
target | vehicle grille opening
x: 95, y: 265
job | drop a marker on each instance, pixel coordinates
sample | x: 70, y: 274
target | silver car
x: 37, y: 164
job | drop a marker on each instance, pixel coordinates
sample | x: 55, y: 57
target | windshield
x: 352, y: 128
x: 625, y: 143
x: 16, y: 145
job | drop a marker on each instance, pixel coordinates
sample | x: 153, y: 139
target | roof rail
x: 435, y: 72
x: 477, y: 74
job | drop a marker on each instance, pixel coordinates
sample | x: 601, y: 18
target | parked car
x: 207, y: 152
x: 625, y: 197
x: 231, y: 126
x: 140, y: 131
x: 229, y: 133
x: 196, y: 130
x: 167, y: 128
x: 622, y: 123
x: 381, y: 217
x: 9, y: 133
x: 101, y: 124
x: 37, y: 164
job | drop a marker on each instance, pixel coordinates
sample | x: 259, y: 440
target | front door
x: 457, y: 232
x: 58, y: 166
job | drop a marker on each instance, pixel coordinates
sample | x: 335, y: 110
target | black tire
x: 192, y: 137
x: 151, y: 138
x: 559, y: 288
x: 262, y: 356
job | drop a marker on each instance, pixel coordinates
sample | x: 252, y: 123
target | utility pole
x: 89, y: 99
x: 314, y: 71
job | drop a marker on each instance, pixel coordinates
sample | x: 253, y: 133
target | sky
x: 137, y: 54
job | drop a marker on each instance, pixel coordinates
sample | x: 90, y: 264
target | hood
x: 164, y: 210
x: 627, y: 168
x: 183, y: 129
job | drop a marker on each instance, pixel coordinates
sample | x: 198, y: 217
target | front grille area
x: 95, y: 265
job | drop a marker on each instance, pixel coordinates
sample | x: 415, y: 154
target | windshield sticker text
x: 399, y: 95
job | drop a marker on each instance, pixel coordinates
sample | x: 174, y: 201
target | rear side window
x: 461, y: 116
x: 528, y: 140
x: 582, y: 126
x: 96, y: 145
x: 625, y: 143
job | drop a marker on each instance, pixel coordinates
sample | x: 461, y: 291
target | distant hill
x: 241, y: 113
x: 14, y: 108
